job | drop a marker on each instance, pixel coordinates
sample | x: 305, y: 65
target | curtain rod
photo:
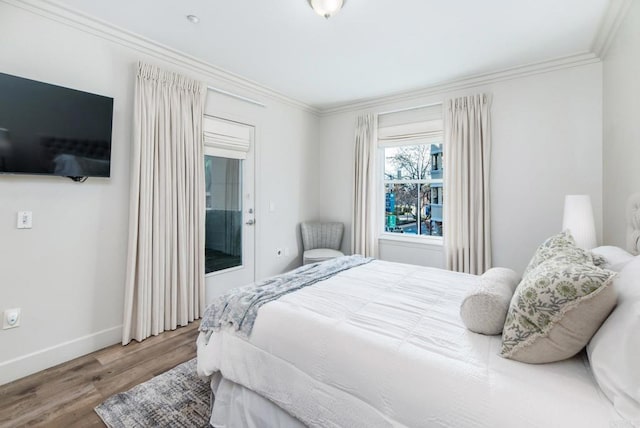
x: 232, y: 95
x: 400, y: 110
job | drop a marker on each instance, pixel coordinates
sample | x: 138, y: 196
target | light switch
x: 25, y: 219
x: 272, y: 206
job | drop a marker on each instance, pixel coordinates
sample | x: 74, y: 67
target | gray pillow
x: 484, y: 309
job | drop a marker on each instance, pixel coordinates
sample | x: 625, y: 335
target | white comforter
x: 383, y: 345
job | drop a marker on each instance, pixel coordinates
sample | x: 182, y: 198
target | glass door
x: 230, y: 217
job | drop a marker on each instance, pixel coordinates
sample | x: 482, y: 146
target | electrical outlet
x: 11, y: 318
x: 278, y: 252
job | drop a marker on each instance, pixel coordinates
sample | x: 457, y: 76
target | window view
x: 413, y: 189
x: 223, y: 223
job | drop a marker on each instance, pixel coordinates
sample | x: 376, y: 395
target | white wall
x: 547, y: 142
x: 621, y: 70
x: 67, y: 273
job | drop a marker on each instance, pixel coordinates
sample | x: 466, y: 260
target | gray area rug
x: 176, y: 398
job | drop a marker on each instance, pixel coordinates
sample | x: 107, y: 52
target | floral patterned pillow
x: 556, y: 309
x: 560, y: 246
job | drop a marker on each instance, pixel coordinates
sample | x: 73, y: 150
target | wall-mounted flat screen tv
x: 48, y: 129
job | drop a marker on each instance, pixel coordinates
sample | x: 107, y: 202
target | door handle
x: 250, y: 222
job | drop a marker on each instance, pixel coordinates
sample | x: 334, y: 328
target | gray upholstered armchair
x: 321, y: 241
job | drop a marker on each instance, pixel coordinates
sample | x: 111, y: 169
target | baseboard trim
x: 34, y: 362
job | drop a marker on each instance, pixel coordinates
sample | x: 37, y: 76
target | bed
x: 382, y: 345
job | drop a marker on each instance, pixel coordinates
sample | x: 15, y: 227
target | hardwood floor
x: 65, y: 395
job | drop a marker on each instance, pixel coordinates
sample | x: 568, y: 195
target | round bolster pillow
x: 484, y: 308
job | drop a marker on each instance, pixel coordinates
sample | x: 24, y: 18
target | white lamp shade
x: 326, y: 8
x: 578, y: 220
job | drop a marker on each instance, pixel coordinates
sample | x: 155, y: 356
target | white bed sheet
x: 236, y: 406
x: 383, y: 345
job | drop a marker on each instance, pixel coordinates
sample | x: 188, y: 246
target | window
x: 413, y: 189
x: 411, y: 146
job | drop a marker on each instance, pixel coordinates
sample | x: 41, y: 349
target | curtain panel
x: 363, y: 234
x: 467, y: 222
x: 165, y: 266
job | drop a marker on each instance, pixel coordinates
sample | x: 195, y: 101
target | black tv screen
x: 48, y: 129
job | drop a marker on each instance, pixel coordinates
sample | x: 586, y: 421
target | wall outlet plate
x: 11, y: 318
x: 25, y: 220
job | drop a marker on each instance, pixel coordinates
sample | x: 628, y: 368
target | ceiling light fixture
x: 326, y: 8
x: 193, y: 19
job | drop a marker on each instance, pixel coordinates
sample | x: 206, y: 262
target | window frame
x: 381, y: 183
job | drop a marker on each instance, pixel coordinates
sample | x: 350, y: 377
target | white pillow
x: 614, y: 351
x: 485, y: 307
x: 616, y: 258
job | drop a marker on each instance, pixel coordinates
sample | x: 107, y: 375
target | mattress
x: 382, y: 345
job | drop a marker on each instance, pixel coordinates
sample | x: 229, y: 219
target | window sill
x: 436, y: 241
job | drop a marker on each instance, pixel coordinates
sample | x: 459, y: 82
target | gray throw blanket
x: 239, y: 307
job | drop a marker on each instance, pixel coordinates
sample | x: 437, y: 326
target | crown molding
x: 569, y: 61
x: 55, y: 11
x: 613, y: 18
x: 88, y: 24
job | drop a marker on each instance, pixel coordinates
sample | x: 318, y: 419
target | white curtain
x: 467, y: 224
x: 165, y: 266
x: 363, y: 235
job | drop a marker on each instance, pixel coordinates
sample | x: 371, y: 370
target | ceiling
x: 370, y: 49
